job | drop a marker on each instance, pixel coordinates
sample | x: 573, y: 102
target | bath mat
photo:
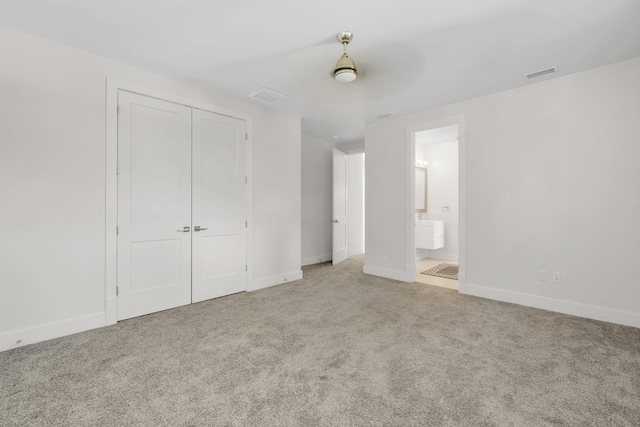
x: 448, y: 271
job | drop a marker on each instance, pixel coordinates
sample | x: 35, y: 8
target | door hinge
x: 117, y: 290
x: 246, y: 268
x: 246, y: 136
x: 117, y: 169
x: 246, y: 224
x: 118, y: 109
x: 117, y: 230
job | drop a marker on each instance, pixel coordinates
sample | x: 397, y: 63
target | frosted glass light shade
x: 345, y: 76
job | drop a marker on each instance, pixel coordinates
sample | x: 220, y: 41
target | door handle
x: 198, y: 228
x: 335, y: 221
x: 185, y: 229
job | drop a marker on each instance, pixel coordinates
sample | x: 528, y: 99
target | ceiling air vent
x: 540, y: 73
x: 267, y: 96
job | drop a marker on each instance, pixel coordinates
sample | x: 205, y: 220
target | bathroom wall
x: 442, y: 191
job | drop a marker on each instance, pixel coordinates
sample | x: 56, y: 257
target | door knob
x: 335, y: 221
x: 198, y: 228
x: 185, y: 229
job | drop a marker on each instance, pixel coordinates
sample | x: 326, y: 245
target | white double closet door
x: 181, y: 205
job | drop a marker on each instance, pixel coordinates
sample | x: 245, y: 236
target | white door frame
x: 111, y: 179
x: 410, y: 250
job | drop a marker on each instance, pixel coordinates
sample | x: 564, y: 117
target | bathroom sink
x: 429, y: 234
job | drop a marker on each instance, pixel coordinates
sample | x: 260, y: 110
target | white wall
x: 316, y: 199
x: 355, y: 203
x: 551, y: 172
x: 442, y: 190
x: 52, y: 185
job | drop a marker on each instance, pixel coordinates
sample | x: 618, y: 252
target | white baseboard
x: 50, y: 331
x: 434, y: 254
x: 316, y: 259
x: 422, y: 255
x: 383, y: 272
x: 279, y: 279
x: 111, y: 311
x: 444, y: 255
x: 355, y: 252
x: 567, y: 307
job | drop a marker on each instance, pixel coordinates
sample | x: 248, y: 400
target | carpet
x: 448, y: 271
x: 338, y: 348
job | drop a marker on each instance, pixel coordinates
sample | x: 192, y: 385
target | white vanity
x: 429, y: 234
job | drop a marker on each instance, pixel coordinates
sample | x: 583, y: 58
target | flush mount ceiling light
x: 345, y: 70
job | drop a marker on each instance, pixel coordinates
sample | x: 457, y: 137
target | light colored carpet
x: 336, y: 349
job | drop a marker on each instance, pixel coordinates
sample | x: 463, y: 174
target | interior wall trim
x: 278, y: 279
x: 48, y: 331
x: 316, y: 259
x: 386, y: 273
x: 604, y: 314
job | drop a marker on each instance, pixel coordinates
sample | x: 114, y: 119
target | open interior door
x: 340, y: 221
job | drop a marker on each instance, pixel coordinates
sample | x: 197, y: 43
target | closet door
x: 219, y: 205
x: 154, y: 205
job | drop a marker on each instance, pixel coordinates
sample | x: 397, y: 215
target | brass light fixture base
x: 345, y: 37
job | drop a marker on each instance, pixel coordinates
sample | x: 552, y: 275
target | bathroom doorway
x: 436, y: 204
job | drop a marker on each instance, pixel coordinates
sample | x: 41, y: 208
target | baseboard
x: 431, y: 254
x: 111, y: 311
x: 316, y: 259
x: 279, y: 279
x: 383, y: 272
x: 595, y: 312
x: 50, y: 331
x: 355, y: 252
x: 422, y: 255
x: 444, y: 255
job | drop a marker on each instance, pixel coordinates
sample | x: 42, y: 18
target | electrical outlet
x: 556, y: 277
x: 542, y: 275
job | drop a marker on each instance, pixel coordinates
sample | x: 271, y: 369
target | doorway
x: 436, y: 215
x: 181, y: 205
x: 348, y: 205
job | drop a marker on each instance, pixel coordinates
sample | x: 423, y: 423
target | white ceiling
x: 411, y: 54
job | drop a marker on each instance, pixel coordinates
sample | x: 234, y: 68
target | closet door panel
x: 219, y: 205
x: 154, y: 203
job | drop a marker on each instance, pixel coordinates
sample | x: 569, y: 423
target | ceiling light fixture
x: 345, y: 70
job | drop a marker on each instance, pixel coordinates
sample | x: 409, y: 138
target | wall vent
x: 267, y: 96
x: 540, y: 73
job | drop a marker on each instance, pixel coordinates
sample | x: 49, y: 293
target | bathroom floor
x: 427, y: 263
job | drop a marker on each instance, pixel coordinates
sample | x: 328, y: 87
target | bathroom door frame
x: 410, y: 250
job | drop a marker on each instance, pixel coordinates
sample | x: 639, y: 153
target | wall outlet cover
x: 542, y: 275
